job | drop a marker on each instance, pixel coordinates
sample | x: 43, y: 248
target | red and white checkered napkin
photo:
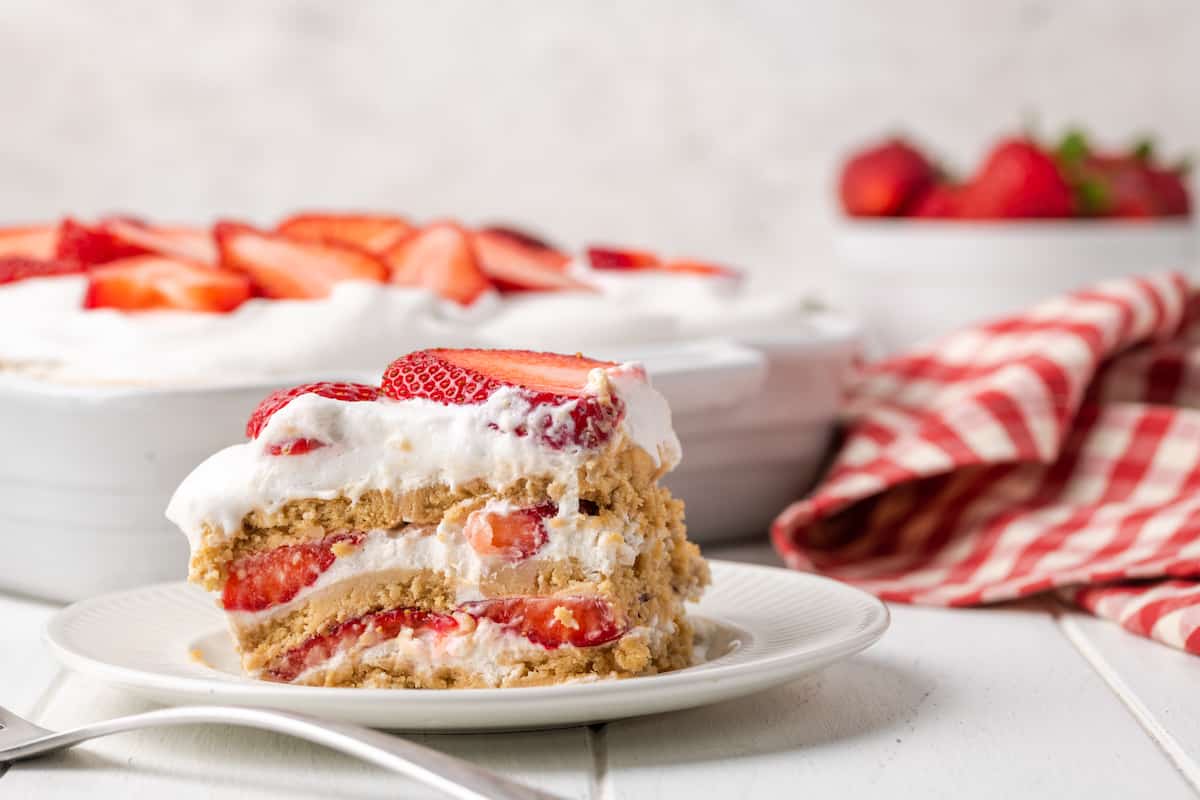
x: 1056, y: 449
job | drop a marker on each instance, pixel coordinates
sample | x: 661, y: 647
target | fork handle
x: 454, y: 776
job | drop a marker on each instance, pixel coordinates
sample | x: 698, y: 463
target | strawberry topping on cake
x: 150, y: 283
x: 468, y: 377
x: 482, y: 518
x: 285, y: 268
x: 335, y: 390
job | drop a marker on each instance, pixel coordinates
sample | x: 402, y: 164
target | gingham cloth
x: 1058, y: 449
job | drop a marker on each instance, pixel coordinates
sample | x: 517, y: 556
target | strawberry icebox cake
x: 477, y: 518
x: 123, y: 301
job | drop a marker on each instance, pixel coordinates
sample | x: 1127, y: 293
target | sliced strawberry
x: 582, y: 622
x: 90, y: 245
x: 367, y: 630
x: 512, y: 535
x: 466, y: 377
x: 440, y: 258
x: 519, y: 236
x: 29, y: 241
x: 191, y: 244
x: 621, y: 259
x: 143, y: 283
x: 517, y: 267
x: 348, y: 392
x: 282, y: 267
x: 694, y: 267
x: 373, y: 232
x: 294, y: 447
x: 261, y: 580
x: 18, y: 268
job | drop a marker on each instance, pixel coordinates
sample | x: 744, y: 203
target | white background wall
x: 699, y: 127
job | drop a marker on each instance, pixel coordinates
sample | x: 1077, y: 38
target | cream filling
x: 596, y: 547
x: 401, y: 446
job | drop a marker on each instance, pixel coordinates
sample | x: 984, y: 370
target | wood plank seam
x: 1176, y: 754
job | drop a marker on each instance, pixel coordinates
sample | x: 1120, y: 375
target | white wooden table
x: 1028, y: 700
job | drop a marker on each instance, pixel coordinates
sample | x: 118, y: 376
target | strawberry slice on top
x: 335, y: 390
x: 440, y: 258
x: 286, y: 268
x: 618, y: 258
x: 92, y: 244
x: 145, y: 283
x: 18, y: 268
x: 373, y: 232
x: 516, y: 265
x: 179, y: 241
x: 470, y: 377
x: 29, y: 241
x: 518, y: 236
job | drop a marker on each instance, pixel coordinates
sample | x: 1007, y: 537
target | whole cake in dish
x: 482, y: 518
x: 126, y: 301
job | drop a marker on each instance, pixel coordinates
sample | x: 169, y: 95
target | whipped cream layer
x: 360, y: 327
x: 403, y: 445
x: 598, y: 549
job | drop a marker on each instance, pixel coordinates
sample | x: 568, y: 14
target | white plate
x: 765, y: 626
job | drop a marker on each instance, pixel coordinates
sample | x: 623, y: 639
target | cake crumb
x: 197, y: 655
x: 343, y: 548
x: 566, y: 618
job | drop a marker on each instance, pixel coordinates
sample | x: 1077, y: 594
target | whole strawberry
x: 1171, y: 187
x: 885, y: 180
x: 1018, y: 180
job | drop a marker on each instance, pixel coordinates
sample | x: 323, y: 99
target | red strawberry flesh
x: 615, y: 258
x: 285, y: 268
x: 884, y: 180
x: 191, y: 244
x: 364, y: 631
x: 262, y: 580
x: 441, y: 258
x: 583, y: 621
x: 469, y: 377
x: 29, y: 241
x: 148, y: 283
x: 512, y: 535
x: 89, y: 245
x: 348, y: 392
x: 373, y: 232
x: 517, y: 266
x: 294, y: 447
x: 19, y: 268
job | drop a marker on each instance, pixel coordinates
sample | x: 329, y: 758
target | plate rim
x: 764, y: 671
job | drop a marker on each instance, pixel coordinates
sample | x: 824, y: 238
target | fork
x: 21, y: 739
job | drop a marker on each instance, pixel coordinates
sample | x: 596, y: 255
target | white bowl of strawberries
x: 130, y: 351
x: 923, y: 255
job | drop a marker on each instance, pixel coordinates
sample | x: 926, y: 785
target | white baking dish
x: 912, y: 281
x: 87, y: 472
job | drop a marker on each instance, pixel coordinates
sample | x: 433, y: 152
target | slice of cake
x: 481, y: 518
